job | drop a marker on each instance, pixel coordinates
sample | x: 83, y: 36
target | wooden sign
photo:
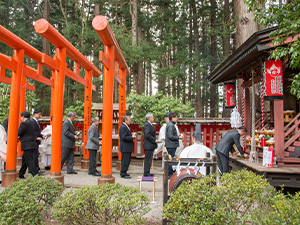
x: 273, y: 80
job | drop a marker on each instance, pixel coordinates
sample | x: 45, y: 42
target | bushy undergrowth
x: 104, y: 204
x: 241, y: 198
x: 25, y: 200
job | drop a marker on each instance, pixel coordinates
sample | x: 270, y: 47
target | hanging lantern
x: 273, y: 80
x: 230, y: 95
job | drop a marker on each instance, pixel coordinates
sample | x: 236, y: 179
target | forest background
x: 171, y: 46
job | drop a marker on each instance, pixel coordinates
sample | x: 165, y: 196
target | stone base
x: 85, y: 163
x: 9, y: 177
x: 58, y: 176
x: 19, y: 161
x: 106, y: 179
x: 118, y: 165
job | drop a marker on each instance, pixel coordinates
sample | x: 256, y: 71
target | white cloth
x: 3, y: 145
x: 45, y: 146
x: 197, y: 150
x: 161, y: 139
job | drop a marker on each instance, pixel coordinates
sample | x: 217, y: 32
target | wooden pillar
x: 247, y: 111
x: 279, y: 129
x: 22, y: 109
x: 87, y: 117
x: 57, y: 120
x: 122, y: 110
x: 52, y: 98
x: 10, y: 175
x: 107, y: 117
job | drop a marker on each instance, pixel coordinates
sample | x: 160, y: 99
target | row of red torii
x: 114, y: 65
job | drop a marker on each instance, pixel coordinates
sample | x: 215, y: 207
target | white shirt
x: 197, y: 150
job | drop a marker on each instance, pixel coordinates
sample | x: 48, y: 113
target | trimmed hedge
x: 241, y: 198
x: 26, y: 200
x: 104, y: 204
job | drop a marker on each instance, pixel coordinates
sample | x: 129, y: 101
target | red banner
x: 230, y: 96
x: 273, y: 80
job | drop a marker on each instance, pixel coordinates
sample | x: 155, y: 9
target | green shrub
x: 241, y: 198
x: 286, y: 210
x: 104, y: 204
x: 25, y: 200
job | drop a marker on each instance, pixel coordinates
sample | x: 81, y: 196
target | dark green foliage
x: 241, y: 198
x: 104, y: 204
x: 25, y: 201
x: 286, y: 17
x: 159, y: 105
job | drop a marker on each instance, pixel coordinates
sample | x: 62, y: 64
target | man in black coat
x: 5, y: 124
x: 68, y: 143
x: 226, y: 144
x: 150, y: 144
x: 126, y: 146
x: 37, y: 114
x: 27, y: 137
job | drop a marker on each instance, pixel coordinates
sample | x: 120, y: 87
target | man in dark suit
x: 150, y: 143
x: 5, y: 124
x: 92, y: 145
x: 68, y: 143
x: 37, y: 114
x: 27, y: 137
x: 126, y: 146
x: 226, y: 144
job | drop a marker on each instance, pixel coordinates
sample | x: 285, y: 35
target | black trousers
x: 148, y: 160
x: 171, y: 152
x: 67, y: 154
x: 27, y: 161
x: 36, y: 157
x: 92, y: 166
x: 125, y: 161
x: 223, y: 162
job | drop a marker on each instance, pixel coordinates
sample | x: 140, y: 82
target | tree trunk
x: 226, y: 41
x: 134, y: 20
x: 213, y: 51
x: 141, y: 72
x: 190, y: 54
x: 199, y: 104
x: 245, y: 25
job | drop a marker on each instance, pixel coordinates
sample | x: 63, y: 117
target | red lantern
x: 230, y: 95
x: 273, y: 80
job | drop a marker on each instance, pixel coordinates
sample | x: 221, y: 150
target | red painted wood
x: 217, y: 135
x: 279, y: 125
x: 211, y: 135
x: 247, y: 111
x: 290, y: 141
x: 291, y: 149
x: 290, y: 160
x: 294, y: 127
x: 204, y: 136
x: 185, y: 137
x: 286, y: 154
x: 297, y: 143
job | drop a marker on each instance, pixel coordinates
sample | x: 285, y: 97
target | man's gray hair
x: 70, y: 114
x: 125, y: 118
x: 94, y: 119
x: 149, y: 115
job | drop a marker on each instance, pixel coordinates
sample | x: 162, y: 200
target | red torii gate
x: 112, y: 60
x: 59, y: 69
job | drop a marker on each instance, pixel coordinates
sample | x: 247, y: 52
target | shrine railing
x: 292, y: 132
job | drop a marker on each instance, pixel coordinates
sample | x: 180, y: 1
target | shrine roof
x: 253, y: 48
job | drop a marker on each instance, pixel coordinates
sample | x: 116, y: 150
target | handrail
x: 105, y: 33
x: 44, y: 28
x: 292, y: 121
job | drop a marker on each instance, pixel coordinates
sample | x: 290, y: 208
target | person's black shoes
x: 47, y: 167
x: 72, y: 172
x: 149, y: 175
x: 41, y: 172
x: 126, y: 176
x: 96, y: 174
